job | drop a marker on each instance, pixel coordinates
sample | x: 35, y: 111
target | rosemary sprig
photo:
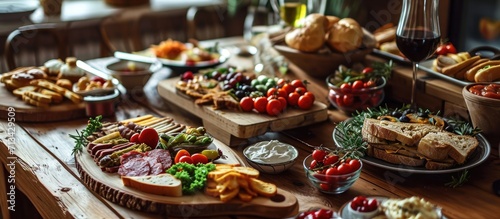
x: 81, y: 137
x: 456, y: 182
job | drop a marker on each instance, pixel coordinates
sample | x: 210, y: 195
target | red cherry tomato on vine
x: 441, y: 50
x: 367, y: 70
x: 293, y: 98
x: 348, y: 100
x: 358, y: 84
x: 345, y: 87
x: 318, y: 155
x: 288, y: 88
x: 355, y: 164
x: 273, y: 107
x: 309, y: 93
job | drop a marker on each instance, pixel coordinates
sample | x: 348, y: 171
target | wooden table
x: 38, y: 157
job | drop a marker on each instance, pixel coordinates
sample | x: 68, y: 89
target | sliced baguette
x: 263, y: 188
x: 163, y: 184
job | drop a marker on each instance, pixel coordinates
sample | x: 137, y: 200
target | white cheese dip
x: 270, y: 152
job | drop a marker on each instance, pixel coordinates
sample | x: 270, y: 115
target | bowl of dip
x: 271, y: 157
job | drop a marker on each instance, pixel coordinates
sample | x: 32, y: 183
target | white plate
x: 477, y: 157
x: 12, y: 10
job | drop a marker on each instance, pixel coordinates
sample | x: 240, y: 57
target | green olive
x: 211, y: 154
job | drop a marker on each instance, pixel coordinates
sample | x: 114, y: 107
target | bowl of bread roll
x: 322, y: 43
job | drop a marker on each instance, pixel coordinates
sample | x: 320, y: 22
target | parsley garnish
x: 456, y: 182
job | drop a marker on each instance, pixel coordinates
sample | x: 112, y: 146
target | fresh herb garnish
x: 348, y: 75
x: 81, y: 137
x: 456, y: 182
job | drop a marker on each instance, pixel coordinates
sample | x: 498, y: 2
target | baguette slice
x: 163, y: 184
x: 263, y: 188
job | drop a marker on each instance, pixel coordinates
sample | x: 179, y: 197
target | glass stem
x: 414, y: 86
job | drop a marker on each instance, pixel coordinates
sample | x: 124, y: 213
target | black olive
x: 396, y: 113
x: 385, y: 118
x: 404, y: 118
x: 408, y: 111
x: 449, y: 128
x: 240, y: 94
x: 423, y: 114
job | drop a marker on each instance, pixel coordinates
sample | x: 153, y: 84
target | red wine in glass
x: 418, y: 45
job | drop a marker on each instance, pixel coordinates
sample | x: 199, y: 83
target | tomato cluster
x: 184, y: 156
x: 279, y: 97
x: 490, y: 90
x: 147, y: 136
x: 362, y: 204
x: 446, y: 48
x: 329, y: 166
x: 317, y: 214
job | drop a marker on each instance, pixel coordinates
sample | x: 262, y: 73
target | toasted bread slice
x: 163, y: 184
x: 263, y: 188
x: 434, y: 146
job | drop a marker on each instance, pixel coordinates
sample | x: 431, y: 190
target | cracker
x: 56, y: 97
x: 34, y: 102
x: 38, y: 96
x: 18, y: 92
x: 75, y: 98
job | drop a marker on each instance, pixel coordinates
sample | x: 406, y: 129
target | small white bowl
x: 271, y: 165
x: 133, y: 75
x: 361, y: 215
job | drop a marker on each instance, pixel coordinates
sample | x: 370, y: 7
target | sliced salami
x: 130, y: 155
x: 156, y: 169
x: 162, y: 156
x: 134, y: 167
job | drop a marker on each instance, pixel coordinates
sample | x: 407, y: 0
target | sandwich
x: 416, y: 144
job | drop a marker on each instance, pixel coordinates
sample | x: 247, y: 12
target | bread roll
x: 346, y: 35
x: 310, y: 37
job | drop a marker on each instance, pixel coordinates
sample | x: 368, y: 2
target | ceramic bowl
x: 133, y: 75
x: 271, y: 166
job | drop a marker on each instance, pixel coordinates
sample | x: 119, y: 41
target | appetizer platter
x: 181, y: 57
x: 231, y: 111
x: 52, y: 92
x: 435, y: 145
x: 142, y: 164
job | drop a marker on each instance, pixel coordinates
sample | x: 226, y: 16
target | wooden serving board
x: 110, y: 186
x: 223, y: 124
x: 23, y: 112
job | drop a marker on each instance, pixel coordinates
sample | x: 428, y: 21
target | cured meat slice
x: 156, y: 169
x: 134, y: 167
x: 130, y: 155
x: 162, y: 156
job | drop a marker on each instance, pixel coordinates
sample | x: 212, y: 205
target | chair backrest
x: 206, y: 23
x: 33, y: 45
x: 120, y: 34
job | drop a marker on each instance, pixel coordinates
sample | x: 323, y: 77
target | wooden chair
x: 206, y: 22
x: 120, y: 34
x: 33, y: 45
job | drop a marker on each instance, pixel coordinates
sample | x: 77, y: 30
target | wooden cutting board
x: 110, y: 186
x: 222, y: 123
x: 13, y: 107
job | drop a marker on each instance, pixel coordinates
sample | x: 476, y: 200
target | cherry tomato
x: 357, y: 201
x: 314, y: 164
x: 134, y: 138
x: 300, y: 90
x: 330, y: 159
x: 323, y: 214
x: 369, y: 83
x: 441, y: 50
x: 318, y: 155
x: 450, y: 48
x: 187, y: 76
x: 348, y: 99
x: 186, y: 159
x: 344, y: 168
x: 355, y: 164
x: 199, y: 158
x: 283, y: 101
x: 305, y: 102
x: 297, y: 83
x: 272, y: 91
x: 345, y: 87
x: 288, y: 88
x: 246, y: 104
x: 371, y: 205
x: 324, y: 186
x: 98, y: 79
x: 309, y: 93
x: 281, y: 82
x: 293, y: 98
x: 358, y: 84
x: 273, y: 107
x: 281, y: 93
x: 332, y: 171
x: 149, y: 136
x: 181, y: 153
x: 260, y: 104
x: 367, y: 70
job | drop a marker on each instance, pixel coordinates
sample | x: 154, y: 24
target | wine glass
x: 418, y: 33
